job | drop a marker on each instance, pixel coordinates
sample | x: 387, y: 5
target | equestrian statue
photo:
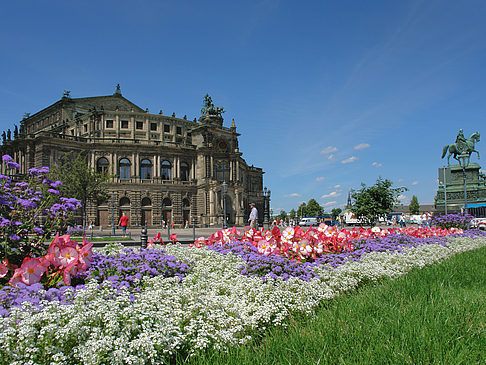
x: 461, y: 146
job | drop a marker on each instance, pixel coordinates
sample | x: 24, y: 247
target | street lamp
x: 112, y: 214
x: 445, y: 190
x: 465, y: 162
x: 224, y: 190
x: 266, y: 202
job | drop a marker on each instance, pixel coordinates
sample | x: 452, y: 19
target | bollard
x: 144, y: 238
x: 194, y: 229
x: 168, y: 231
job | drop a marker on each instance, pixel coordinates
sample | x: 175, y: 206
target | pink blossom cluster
x: 307, y: 244
x: 158, y: 240
x: 64, y: 258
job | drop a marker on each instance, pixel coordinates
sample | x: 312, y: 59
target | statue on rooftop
x: 209, y: 108
x: 461, y: 146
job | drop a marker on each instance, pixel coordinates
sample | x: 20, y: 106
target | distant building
x: 164, y: 168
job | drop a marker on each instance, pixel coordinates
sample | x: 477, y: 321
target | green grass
x: 102, y: 239
x: 435, y: 315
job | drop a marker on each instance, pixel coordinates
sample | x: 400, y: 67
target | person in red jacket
x: 123, y: 223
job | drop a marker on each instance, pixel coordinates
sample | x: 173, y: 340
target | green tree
x: 292, y: 213
x: 335, y: 213
x: 302, y: 210
x: 81, y: 181
x: 414, y: 206
x: 370, y: 203
x: 313, y: 208
x: 283, y: 214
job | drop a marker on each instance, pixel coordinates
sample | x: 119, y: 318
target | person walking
x: 253, y: 216
x: 124, y: 224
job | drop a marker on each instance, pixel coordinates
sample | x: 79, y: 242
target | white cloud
x: 376, y: 164
x: 330, y: 203
x: 330, y: 195
x: 330, y: 157
x: 328, y: 149
x: 320, y: 178
x: 293, y: 195
x: 361, y: 146
x: 349, y: 160
x: 337, y: 186
x: 415, y: 183
x: 401, y: 180
x: 402, y: 197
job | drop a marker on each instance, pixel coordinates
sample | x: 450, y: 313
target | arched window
x: 166, y: 202
x: 146, y: 202
x: 221, y: 170
x: 125, y: 165
x: 185, y: 203
x: 184, y: 171
x: 165, y: 170
x: 145, y: 169
x: 124, y: 202
x: 102, y: 165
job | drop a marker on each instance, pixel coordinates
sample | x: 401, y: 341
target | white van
x: 306, y: 222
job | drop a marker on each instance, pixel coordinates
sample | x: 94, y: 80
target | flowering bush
x: 214, y: 307
x: 127, y: 268
x: 447, y: 221
x: 302, y: 245
x: 75, y: 231
x: 31, y: 209
x: 65, y: 258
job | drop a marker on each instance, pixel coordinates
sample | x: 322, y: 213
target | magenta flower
x: 32, y: 271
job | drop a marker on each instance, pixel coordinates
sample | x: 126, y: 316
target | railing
x: 185, y: 142
x: 155, y: 180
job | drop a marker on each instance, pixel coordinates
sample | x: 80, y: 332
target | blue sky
x: 327, y: 95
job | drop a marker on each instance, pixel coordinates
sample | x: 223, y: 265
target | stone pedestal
x: 451, y: 186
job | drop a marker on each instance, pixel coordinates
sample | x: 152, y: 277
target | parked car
x: 306, y: 222
x: 479, y: 223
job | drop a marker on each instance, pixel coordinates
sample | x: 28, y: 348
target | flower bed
x: 212, y: 303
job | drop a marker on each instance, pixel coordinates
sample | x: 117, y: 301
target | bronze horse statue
x: 466, y: 147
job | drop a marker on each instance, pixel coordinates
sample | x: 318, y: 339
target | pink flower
x: 67, y: 256
x: 85, y: 256
x: 69, y: 271
x: 16, y: 277
x: 3, y: 269
x: 32, y: 271
x: 173, y: 237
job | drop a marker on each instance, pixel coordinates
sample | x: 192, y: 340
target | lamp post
x: 465, y: 162
x: 112, y: 214
x: 224, y: 190
x: 266, y: 206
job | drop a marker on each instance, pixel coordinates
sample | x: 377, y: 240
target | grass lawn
x: 436, y: 315
x: 102, y: 239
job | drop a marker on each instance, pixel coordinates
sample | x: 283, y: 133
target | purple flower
x: 14, y: 237
x: 53, y: 191
x: 14, y: 165
x: 7, y: 158
x: 25, y: 203
x: 56, y: 184
x: 38, y: 230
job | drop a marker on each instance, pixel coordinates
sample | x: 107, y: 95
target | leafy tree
x: 369, y: 203
x: 313, y: 208
x: 81, y: 181
x: 283, y: 214
x: 302, y: 210
x: 292, y: 213
x: 414, y: 206
x: 335, y: 213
